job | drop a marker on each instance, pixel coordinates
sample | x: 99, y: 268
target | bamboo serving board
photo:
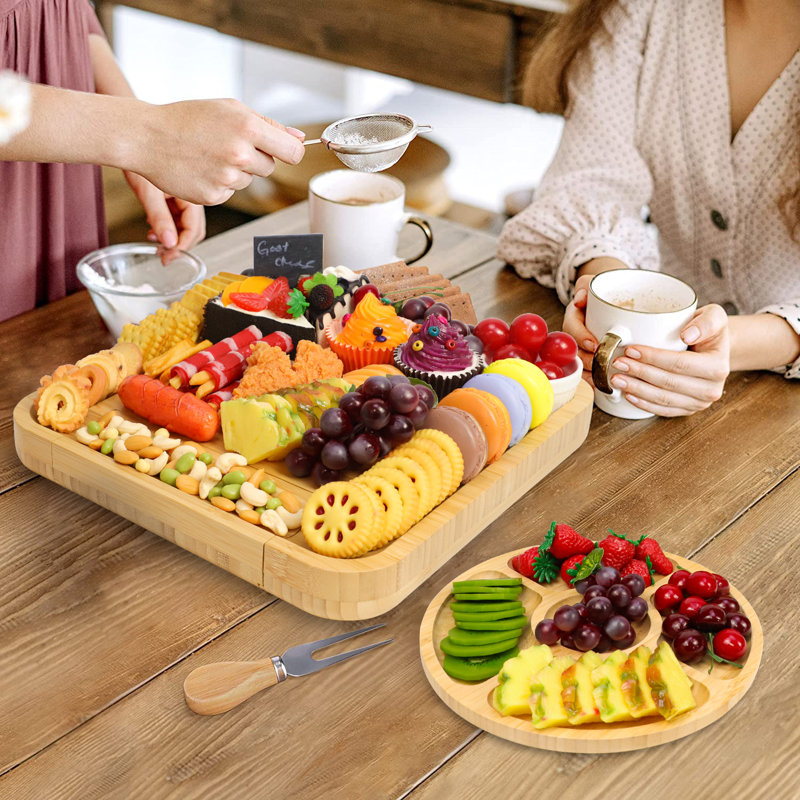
x: 348, y: 589
x: 714, y: 693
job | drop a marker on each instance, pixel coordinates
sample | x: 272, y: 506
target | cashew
x: 83, y: 435
x: 127, y: 426
x: 119, y: 444
x: 165, y: 443
x: 198, y: 470
x: 253, y: 495
x: 158, y: 464
x: 291, y: 521
x: 109, y: 433
x: 184, y: 448
x: 272, y: 522
x: 161, y: 432
x: 212, y: 477
x: 226, y: 461
x: 243, y: 505
x: 115, y: 421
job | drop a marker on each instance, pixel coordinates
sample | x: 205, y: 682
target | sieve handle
x: 312, y: 141
x: 424, y: 128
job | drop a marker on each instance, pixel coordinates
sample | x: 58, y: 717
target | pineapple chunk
x: 607, y: 689
x: 635, y: 689
x: 547, y: 710
x: 576, y: 690
x: 670, y: 686
x: 511, y: 695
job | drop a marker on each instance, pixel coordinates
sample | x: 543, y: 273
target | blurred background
x: 480, y: 162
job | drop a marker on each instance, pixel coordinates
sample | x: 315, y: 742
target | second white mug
x: 360, y: 216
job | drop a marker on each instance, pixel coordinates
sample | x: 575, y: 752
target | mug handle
x: 426, y: 229
x: 617, y: 337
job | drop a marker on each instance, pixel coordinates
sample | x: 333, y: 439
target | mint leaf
x: 589, y: 565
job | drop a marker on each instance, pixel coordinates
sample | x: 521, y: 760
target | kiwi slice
x: 488, y: 585
x: 472, y: 638
x: 505, y: 594
x: 477, y: 606
x: 486, y: 616
x: 493, y: 625
x: 476, y: 669
x: 477, y: 650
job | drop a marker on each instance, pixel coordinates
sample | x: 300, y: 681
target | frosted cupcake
x: 368, y: 335
x: 438, y: 354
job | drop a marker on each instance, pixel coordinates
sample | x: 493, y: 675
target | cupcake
x: 438, y: 354
x: 368, y: 335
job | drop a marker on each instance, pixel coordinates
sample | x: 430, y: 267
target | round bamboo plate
x: 714, y: 693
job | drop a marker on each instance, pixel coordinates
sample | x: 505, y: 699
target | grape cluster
x: 418, y: 309
x: 696, y: 604
x: 603, y: 620
x: 384, y: 412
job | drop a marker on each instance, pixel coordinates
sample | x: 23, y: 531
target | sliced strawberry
x: 277, y: 295
x: 249, y: 301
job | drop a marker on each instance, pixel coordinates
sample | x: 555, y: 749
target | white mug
x: 633, y: 306
x: 360, y: 216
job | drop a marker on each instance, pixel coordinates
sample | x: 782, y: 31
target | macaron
x: 533, y: 380
x: 490, y: 414
x: 464, y: 429
x: 512, y: 396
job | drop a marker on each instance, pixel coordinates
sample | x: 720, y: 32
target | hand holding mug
x: 575, y: 326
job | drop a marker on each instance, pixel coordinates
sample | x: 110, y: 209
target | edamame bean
x: 260, y: 509
x: 274, y: 503
x: 235, y: 476
x: 93, y: 427
x: 232, y: 490
x: 185, y: 463
x: 169, y: 475
x: 268, y: 486
x: 214, y: 491
x: 206, y: 458
x: 108, y: 446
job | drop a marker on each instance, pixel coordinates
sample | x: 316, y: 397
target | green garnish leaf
x: 545, y: 568
x: 650, y: 569
x: 715, y: 657
x: 590, y: 564
x: 297, y: 304
x: 548, y: 540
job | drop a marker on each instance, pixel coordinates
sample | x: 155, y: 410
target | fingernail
x: 580, y: 295
x: 632, y: 352
x: 170, y: 239
x: 621, y: 366
x: 691, y: 335
x: 632, y: 399
x: 151, y: 237
x: 589, y: 345
x: 298, y: 133
x: 619, y: 382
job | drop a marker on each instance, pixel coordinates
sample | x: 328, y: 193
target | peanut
x: 125, y: 457
x: 149, y: 452
x: 187, y: 484
x: 291, y: 502
x: 137, y: 442
x: 109, y: 433
x: 223, y: 503
x: 143, y: 465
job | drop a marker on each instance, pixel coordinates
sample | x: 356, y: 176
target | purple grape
x: 620, y: 595
x: 375, y: 414
x: 637, y: 609
x: 321, y: 474
x: 739, y: 622
x: 627, y: 640
x: 604, y: 645
x: 460, y: 326
x: 581, y: 609
x: 395, y: 379
x: 607, y: 576
x: 365, y: 449
x: 386, y: 444
x: 418, y: 415
x: 617, y: 627
x: 351, y: 403
x: 586, y: 637
x: 427, y: 299
x: 673, y: 624
x: 376, y: 386
x: 546, y: 632
x: 313, y: 441
x: 334, y: 455
x: 582, y: 585
x: 474, y: 343
x: 400, y: 429
x: 413, y: 308
x: 299, y: 463
x: 633, y: 581
x: 441, y: 310
x: 593, y: 591
x: 335, y: 424
x: 599, y: 609
x: 567, y: 619
x: 425, y: 395
x: 568, y: 641
x: 403, y: 398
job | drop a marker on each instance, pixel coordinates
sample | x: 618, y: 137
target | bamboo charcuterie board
x: 348, y: 589
x: 715, y: 693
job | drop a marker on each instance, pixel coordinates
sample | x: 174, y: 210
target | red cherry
x: 529, y: 331
x: 678, y: 578
x: 729, y: 644
x: 723, y: 587
x: 701, y: 584
x: 362, y: 291
x: 493, y: 333
x: 667, y: 597
x: 553, y: 371
x: 690, y: 606
x: 560, y: 348
x: 512, y: 350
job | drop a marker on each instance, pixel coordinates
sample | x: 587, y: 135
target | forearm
x: 762, y: 341
x: 602, y: 264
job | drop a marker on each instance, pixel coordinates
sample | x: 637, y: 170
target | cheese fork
x: 215, y: 688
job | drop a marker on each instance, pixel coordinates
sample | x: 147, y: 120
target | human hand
x: 575, y: 326
x: 204, y: 150
x: 671, y: 384
x: 173, y: 222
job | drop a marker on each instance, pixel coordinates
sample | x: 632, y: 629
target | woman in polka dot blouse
x: 691, y: 109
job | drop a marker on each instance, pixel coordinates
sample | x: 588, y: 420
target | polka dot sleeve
x: 790, y: 311
x: 590, y: 203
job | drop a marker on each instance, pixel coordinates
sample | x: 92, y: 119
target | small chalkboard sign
x: 291, y: 256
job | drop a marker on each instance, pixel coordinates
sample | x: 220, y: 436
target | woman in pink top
x: 690, y: 108
x: 176, y: 157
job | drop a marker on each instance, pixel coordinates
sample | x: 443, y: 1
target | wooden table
x: 102, y: 621
x: 475, y: 47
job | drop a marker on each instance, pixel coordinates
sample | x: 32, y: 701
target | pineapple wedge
x: 635, y: 689
x: 547, y: 710
x: 510, y: 697
x: 576, y: 690
x: 607, y: 689
x: 669, y: 684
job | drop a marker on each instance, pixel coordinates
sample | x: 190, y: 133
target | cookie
x: 388, y: 497
x: 434, y: 451
x: 422, y: 471
x: 339, y: 520
x: 409, y: 495
x: 448, y: 444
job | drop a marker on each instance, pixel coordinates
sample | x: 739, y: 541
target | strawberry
x: 570, y: 563
x: 650, y: 547
x: 568, y: 542
x: 617, y: 550
x: 640, y: 568
x: 523, y: 562
x: 302, y: 282
x: 249, y: 301
x: 277, y: 294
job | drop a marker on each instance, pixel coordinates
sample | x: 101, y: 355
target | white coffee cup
x: 628, y: 307
x: 360, y: 216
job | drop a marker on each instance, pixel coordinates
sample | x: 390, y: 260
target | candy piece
x: 186, y: 369
x: 338, y: 520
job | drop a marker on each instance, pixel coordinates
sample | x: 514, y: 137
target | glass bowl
x: 129, y: 281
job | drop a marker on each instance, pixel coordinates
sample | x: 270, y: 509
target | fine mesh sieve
x: 370, y: 142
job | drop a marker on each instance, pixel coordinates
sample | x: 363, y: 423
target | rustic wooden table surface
x: 101, y: 621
